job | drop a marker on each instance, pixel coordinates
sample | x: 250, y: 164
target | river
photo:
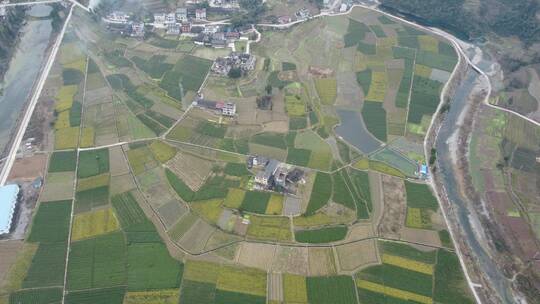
x: 24, y: 69
x: 467, y: 221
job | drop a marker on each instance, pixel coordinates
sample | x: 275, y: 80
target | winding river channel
x: 24, y: 69
x: 468, y: 222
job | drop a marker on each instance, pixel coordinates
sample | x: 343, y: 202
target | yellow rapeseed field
x: 394, y: 292
x: 94, y: 223
x: 407, y: 264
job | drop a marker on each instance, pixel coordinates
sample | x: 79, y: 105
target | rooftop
x: 8, y: 199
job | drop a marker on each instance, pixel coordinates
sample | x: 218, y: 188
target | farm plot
x: 327, y: 90
x: 114, y: 295
x: 354, y: 255
x: 255, y: 201
x: 62, y: 161
x: 294, y: 289
x: 37, y: 296
x: 51, y: 223
x: 97, y: 263
x: 320, y: 194
x: 141, y: 159
x: 450, y: 284
x: 274, y: 228
x: 47, y: 266
x: 322, y: 235
x: 94, y: 223
x: 334, y: 289
x: 321, y: 261
x: 187, y: 75
x: 165, y: 296
x: 151, y: 267
x: 93, y: 162
x: 58, y: 186
x: 191, y: 169
x: 89, y: 199
x: 321, y: 154
x: 374, y: 117
x: 396, y: 160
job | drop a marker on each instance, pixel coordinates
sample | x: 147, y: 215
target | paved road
x: 10, y: 159
x: 29, y: 3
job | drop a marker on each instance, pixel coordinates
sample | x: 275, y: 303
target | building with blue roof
x: 8, y: 201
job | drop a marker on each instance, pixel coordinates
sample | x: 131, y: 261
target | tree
x: 235, y: 73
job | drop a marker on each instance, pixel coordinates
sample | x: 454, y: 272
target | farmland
x: 167, y: 206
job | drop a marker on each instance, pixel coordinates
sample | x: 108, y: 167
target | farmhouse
x: 159, y: 20
x: 200, y: 14
x: 137, y: 29
x: 220, y: 107
x: 182, y: 14
x: 242, y: 61
x: 117, y: 17
x: 264, y: 178
x: 8, y: 201
x: 173, y: 29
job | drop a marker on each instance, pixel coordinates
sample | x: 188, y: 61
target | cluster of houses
x: 3, y: 10
x: 242, y: 61
x: 274, y: 175
x: 179, y: 21
x: 213, y: 36
x: 227, y: 109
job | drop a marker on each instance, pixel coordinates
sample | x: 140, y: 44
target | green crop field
x: 342, y: 194
x: 364, y: 80
x: 51, y: 223
x: 399, y: 278
x: 424, y: 98
x: 356, y: 31
x: 374, y: 117
x: 323, y: 235
x: 88, y: 199
x: 197, y: 292
x: 155, y: 67
x: 47, y: 267
x: 420, y: 196
x: 151, y: 267
x: 113, y: 295
x: 62, y: 161
x: 436, y: 61
x: 98, y: 262
x: 215, y: 187
x: 127, y: 209
x: 270, y: 139
x: 93, y: 162
x: 377, y: 30
x: 322, y: 190
x: 162, y: 152
x: 297, y: 123
x: 255, y: 201
x: 229, y: 297
x: 450, y: 284
x: 188, y: 73
x: 408, y: 252
x: 334, y: 289
x: 360, y: 181
x: 299, y: 157
x: 234, y: 169
x: 211, y: 129
x: 37, y: 296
